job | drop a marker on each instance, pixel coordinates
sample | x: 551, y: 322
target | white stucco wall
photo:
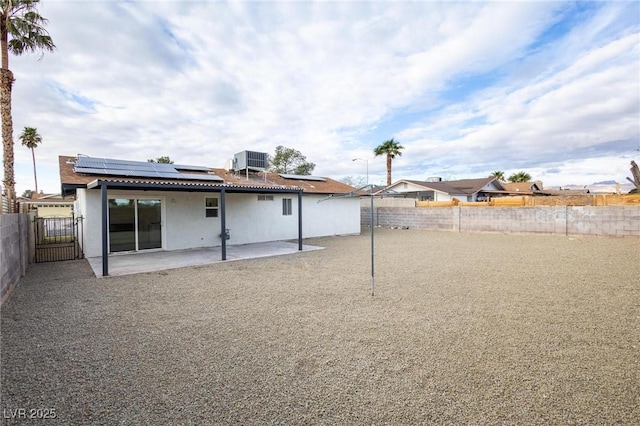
x: 334, y: 216
x: 88, y: 205
x: 250, y: 220
x: 184, y: 224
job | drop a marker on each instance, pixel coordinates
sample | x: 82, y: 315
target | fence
x: 529, y: 201
x: 616, y: 221
x: 56, y: 238
x: 14, y: 251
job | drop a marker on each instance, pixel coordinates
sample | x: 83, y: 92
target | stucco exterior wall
x: 334, y: 216
x: 613, y: 221
x: 249, y: 220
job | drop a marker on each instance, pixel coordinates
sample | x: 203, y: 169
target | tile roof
x: 254, y: 180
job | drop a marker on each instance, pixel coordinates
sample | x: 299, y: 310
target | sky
x: 467, y: 88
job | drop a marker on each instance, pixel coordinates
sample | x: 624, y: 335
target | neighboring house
x: 523, y: 188
x: 463, y: 190
x: 130, y: 206
x: 47, y: 205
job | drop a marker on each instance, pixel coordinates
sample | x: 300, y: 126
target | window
x: 265, y: 197
x: 286, y: 207
x: 210, y: 207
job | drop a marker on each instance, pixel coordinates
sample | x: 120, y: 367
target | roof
x: 250, y: 181
x: 522, y: 186
x: 462, y: 186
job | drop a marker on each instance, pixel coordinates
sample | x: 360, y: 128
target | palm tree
x: 519, y: 177
x: 390, y: 148
x: 498, y: 175
x: 21, y: 30
x: 31, y: 139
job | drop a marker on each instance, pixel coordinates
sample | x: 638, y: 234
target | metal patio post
x: 105, y: 229
x: 300, y: 221
x: 223, y: 224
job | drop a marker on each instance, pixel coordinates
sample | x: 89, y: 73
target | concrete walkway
x: 135, y: 263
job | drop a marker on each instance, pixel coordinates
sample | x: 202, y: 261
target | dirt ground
x: 463, y: 328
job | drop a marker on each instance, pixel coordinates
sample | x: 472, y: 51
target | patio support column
x: 105, y: 229
x: 300, y: 220
x: 223, y: 224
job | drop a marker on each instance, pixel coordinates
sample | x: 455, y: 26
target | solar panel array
x: 111, y: 167
x: 303, y: 177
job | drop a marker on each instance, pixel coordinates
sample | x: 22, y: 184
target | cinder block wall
x: 14, y: 251
x: 615, y: 221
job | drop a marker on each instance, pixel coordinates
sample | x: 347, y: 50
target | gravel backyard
x: 464, y: 328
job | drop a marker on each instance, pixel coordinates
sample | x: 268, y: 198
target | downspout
x: 300, y: 221
x: 223, y: 224
x: 105, y: 229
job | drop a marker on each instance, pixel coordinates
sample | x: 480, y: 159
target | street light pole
x: 367, y: 163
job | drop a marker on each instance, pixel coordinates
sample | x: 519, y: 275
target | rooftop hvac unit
x: 247, y: 160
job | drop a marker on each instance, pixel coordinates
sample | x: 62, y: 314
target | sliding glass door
x: 134, y: 224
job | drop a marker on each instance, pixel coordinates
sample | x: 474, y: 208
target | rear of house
x: 192, y: 207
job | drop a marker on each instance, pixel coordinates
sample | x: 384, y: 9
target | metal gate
x: 57, y: 238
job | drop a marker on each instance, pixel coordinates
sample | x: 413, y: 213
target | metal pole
x: 300, y: 221
x: 372, y: 249
x: 105, y: 229
x: 223, y: 224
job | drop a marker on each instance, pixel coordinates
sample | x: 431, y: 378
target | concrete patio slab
x: 135, y: 263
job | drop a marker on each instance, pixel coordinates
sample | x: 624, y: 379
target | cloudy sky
x: 468, y: 88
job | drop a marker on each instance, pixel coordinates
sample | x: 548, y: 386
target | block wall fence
x: 609, y: 221
x: 14, y: 251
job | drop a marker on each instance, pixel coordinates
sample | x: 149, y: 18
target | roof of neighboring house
x: 462, y: 186
x: 71, y: 179
x: 522, y: 186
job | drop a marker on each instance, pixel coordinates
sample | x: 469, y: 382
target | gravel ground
x: 464, y: 328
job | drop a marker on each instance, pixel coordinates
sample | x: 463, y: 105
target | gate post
x: 32, y: 239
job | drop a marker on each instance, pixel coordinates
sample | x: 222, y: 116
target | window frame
x: 214, y: 209
x: 287, y: 207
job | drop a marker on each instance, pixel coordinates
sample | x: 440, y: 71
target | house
x: 133, y: 206
x: 523, y: 188
x: 46, y: 205
x: 438, y: 190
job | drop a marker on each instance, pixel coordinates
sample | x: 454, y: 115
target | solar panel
x: 161, y: 167
x: 112, y: 167
x: 303, y: 177
x: 88, y: 170
x: 96, y: 164
x: 167, y: 175
x: 139, y: 167
x: 193, y: 176
x: 191, y: 168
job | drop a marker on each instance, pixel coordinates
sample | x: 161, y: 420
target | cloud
x: 467, y: 88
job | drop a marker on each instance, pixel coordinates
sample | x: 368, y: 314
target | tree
x: 356, y: 182
x: 498, y: 175
x: 31, y: 139
x: 21, y: 30
x: 519, y: 177
x: 161, y: 160
x: 391, y: 149
x: 289, y: 160
x: 27, y: 193
x: 635, y: 172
